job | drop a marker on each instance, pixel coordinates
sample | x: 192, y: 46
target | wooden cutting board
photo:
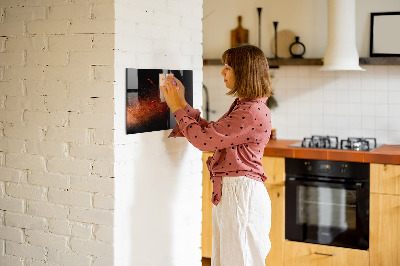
x: 239, y: 35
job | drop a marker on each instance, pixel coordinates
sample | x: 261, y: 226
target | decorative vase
x: 297, y: 49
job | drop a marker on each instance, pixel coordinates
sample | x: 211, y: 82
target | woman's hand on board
x: 174, y: 93
x: 181, y: 90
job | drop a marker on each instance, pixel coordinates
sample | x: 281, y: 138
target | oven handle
x: 357, y: 185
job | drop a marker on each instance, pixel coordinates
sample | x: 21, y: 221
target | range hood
x: 341, y: 51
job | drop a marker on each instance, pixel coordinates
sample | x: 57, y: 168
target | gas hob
x: 332, y: 142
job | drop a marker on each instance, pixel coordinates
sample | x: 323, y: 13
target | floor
x: 206, y: 261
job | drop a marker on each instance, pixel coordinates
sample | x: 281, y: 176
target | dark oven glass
x: 326, y: 204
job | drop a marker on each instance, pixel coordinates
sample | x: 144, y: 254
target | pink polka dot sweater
x: 238, y: 139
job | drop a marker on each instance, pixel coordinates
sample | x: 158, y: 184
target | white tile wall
x: 311, y: 102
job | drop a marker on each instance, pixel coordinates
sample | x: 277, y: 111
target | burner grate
x: 358, y: 144
x: 327, y: 142
x: 332, y: 142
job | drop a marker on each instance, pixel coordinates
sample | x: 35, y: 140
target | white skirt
x: 241, y: 223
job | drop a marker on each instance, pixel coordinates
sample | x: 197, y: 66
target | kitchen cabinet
x: 206, y: 225
x: 384, y: 247
x: 277, y: 233
x: 385, y: 214
x: 305, y: 254
x: 274, y: 168
x: 385, y: 230
x: 384, y: 244
x: 385, y: 178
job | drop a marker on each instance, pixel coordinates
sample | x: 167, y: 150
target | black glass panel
x: 146, y: 109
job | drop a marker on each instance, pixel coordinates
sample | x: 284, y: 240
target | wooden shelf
x: 273, y: 63
x: 380, y: 61
x: 212, y: 62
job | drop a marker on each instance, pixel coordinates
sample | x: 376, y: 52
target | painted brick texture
x: 56, y: 132
x: 157, y: 180
x: 62, y: 135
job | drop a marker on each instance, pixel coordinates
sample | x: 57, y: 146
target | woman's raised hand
x: 181, y: 92
x: 174, y: 93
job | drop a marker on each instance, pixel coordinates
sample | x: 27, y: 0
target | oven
x: 327, y: 202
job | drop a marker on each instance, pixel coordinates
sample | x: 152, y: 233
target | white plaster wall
x: 56, y: 132
x: 344, y: 103
x: 158, y: 180
x: 305, y: 18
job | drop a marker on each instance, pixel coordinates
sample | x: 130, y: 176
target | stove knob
x: 343, y: 168
x: 308, y: 166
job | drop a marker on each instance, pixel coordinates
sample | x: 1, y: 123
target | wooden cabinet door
x: 274, y: 168
x: 206, y: 226
x: 384, y: 236
x: 305, y: 254
x: 277, y: 233
x: 385, y: 178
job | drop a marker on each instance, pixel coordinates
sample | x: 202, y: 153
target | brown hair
x: 250, y: 66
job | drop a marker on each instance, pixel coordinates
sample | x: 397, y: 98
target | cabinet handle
x: 325, y: 254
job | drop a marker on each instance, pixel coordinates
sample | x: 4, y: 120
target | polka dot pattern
x: 238, y: 139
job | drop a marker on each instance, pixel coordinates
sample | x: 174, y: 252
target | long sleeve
x: 231, y: 130
x: 238, y: 139
x: 193, y: 113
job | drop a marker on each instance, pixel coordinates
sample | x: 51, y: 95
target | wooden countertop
x: 389, y: 154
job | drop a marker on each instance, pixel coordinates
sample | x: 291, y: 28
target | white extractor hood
x: 341, y: 51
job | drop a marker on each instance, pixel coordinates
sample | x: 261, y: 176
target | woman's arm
x: 237, y: 128
x: 193, y: 113
x: 174, y: 93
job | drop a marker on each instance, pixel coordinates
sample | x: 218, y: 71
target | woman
x: 242, y: 208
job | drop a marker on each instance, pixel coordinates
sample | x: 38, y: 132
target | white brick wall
x: 25, y: 221
x: 56, y: 132
x: 11, y: 233
x: 156, y: 177
x: 68, y: 258
x: 25, y: 251
x: 47, y: 210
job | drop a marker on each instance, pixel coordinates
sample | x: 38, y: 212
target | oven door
x: 327, y: 213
